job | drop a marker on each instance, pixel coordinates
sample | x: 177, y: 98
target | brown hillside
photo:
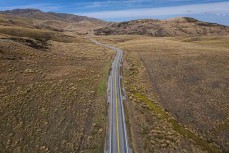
x: 39, y: 15
x: 52, y: 88
x: 182, y: 26
x: 53, y: 21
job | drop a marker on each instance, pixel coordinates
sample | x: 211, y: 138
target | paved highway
x: 118, y: 140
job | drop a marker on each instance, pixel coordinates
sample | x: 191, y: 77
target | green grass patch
x: 176, y: 126
x: 102, y: 86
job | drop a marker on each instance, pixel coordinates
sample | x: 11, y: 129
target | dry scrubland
x: 52, y: 91
x: 53, y: 85
x: 178, y: 92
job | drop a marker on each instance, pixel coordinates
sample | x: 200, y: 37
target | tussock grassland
x: 212, y: 41
x: 52, y: 100
x: 37, y: 34
x: 177, y: 90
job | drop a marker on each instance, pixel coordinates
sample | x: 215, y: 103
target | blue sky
x: 122, y: 10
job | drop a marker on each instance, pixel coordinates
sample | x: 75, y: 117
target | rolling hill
x: 55, y: 21
x: 39, y: 15
x: 37, y: 57
x: 181, y: 26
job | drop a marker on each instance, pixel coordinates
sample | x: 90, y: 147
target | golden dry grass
x: 185, y: 78
x: 49, y: 100
x: 37, y: 34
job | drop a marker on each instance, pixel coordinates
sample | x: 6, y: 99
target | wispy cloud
x: 122, y: 3
x: 136, y: 3
x: 208, y: 8
x: 41, y: 6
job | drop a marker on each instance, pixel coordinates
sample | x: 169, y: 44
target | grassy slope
x: 50, y: 98
x: 165, y: 64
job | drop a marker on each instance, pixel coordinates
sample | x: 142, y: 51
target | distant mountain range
x: 181, y: 26
x: 56, y: 21
x: 39, y: 15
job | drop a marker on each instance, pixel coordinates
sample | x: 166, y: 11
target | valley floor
x: 178, y: 92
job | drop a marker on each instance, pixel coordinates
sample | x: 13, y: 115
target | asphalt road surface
x: 118, y: 140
